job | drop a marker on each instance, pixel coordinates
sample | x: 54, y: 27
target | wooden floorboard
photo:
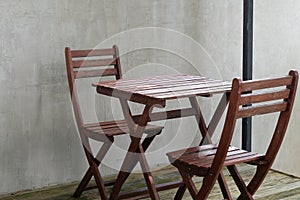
x: 275, y: 186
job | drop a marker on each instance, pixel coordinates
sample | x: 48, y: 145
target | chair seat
x: 201, y: 157
x: 114, y: 128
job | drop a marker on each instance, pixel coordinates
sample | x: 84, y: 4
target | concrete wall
x: 38, y: 141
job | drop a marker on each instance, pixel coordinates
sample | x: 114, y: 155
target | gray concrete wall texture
x: 39, y: 145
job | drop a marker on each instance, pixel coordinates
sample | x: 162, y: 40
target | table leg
x: 207, y: 132
x: 89, y: 173
x: 135, y: 152
x: 218, y: 114
x: 200, y: 120
x: 94, y: 168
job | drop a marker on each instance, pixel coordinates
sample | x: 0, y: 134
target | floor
x: 276, y: 186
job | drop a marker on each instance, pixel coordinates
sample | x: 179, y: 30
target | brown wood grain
x: 274, y: 95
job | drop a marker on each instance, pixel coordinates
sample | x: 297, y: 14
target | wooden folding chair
x: 89, y: 64
x: 249, y: 98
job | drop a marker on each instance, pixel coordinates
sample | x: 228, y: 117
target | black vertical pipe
x: 247, y: 66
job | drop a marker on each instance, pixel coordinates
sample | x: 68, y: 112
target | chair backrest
x: 90, y: 63
x: 257, y: 97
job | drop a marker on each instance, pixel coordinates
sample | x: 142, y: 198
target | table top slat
x: 190, y: 93
x: 156, y: 80
x: 162, y: 88
x: 182, y: 87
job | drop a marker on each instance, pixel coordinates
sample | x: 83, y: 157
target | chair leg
x: 187, y: 179
x: 147, y: 174
x: 224, y: 187
x: 245, y: 194
x: 97, y: 175
x: 89, y: 173
x: 145, y: 144
x: 180, y: 192
x: 207, y: 185
x: 94, y: 163
x: 258, y: 178
x: 145, y: 167
x: 193, y: 190
x: 130, y: 164
x: 83, y: 183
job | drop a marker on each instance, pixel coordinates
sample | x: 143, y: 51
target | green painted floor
x: 276, y: 186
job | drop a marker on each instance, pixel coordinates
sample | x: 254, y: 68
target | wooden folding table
x: 155, y: 92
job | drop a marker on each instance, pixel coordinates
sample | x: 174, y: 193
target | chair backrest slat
x: 261, y: 97
x: 95, y: 73
x: 261, y: 109
x: 92, y: 52
x: 94, y: 63
x: 266, y: 83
